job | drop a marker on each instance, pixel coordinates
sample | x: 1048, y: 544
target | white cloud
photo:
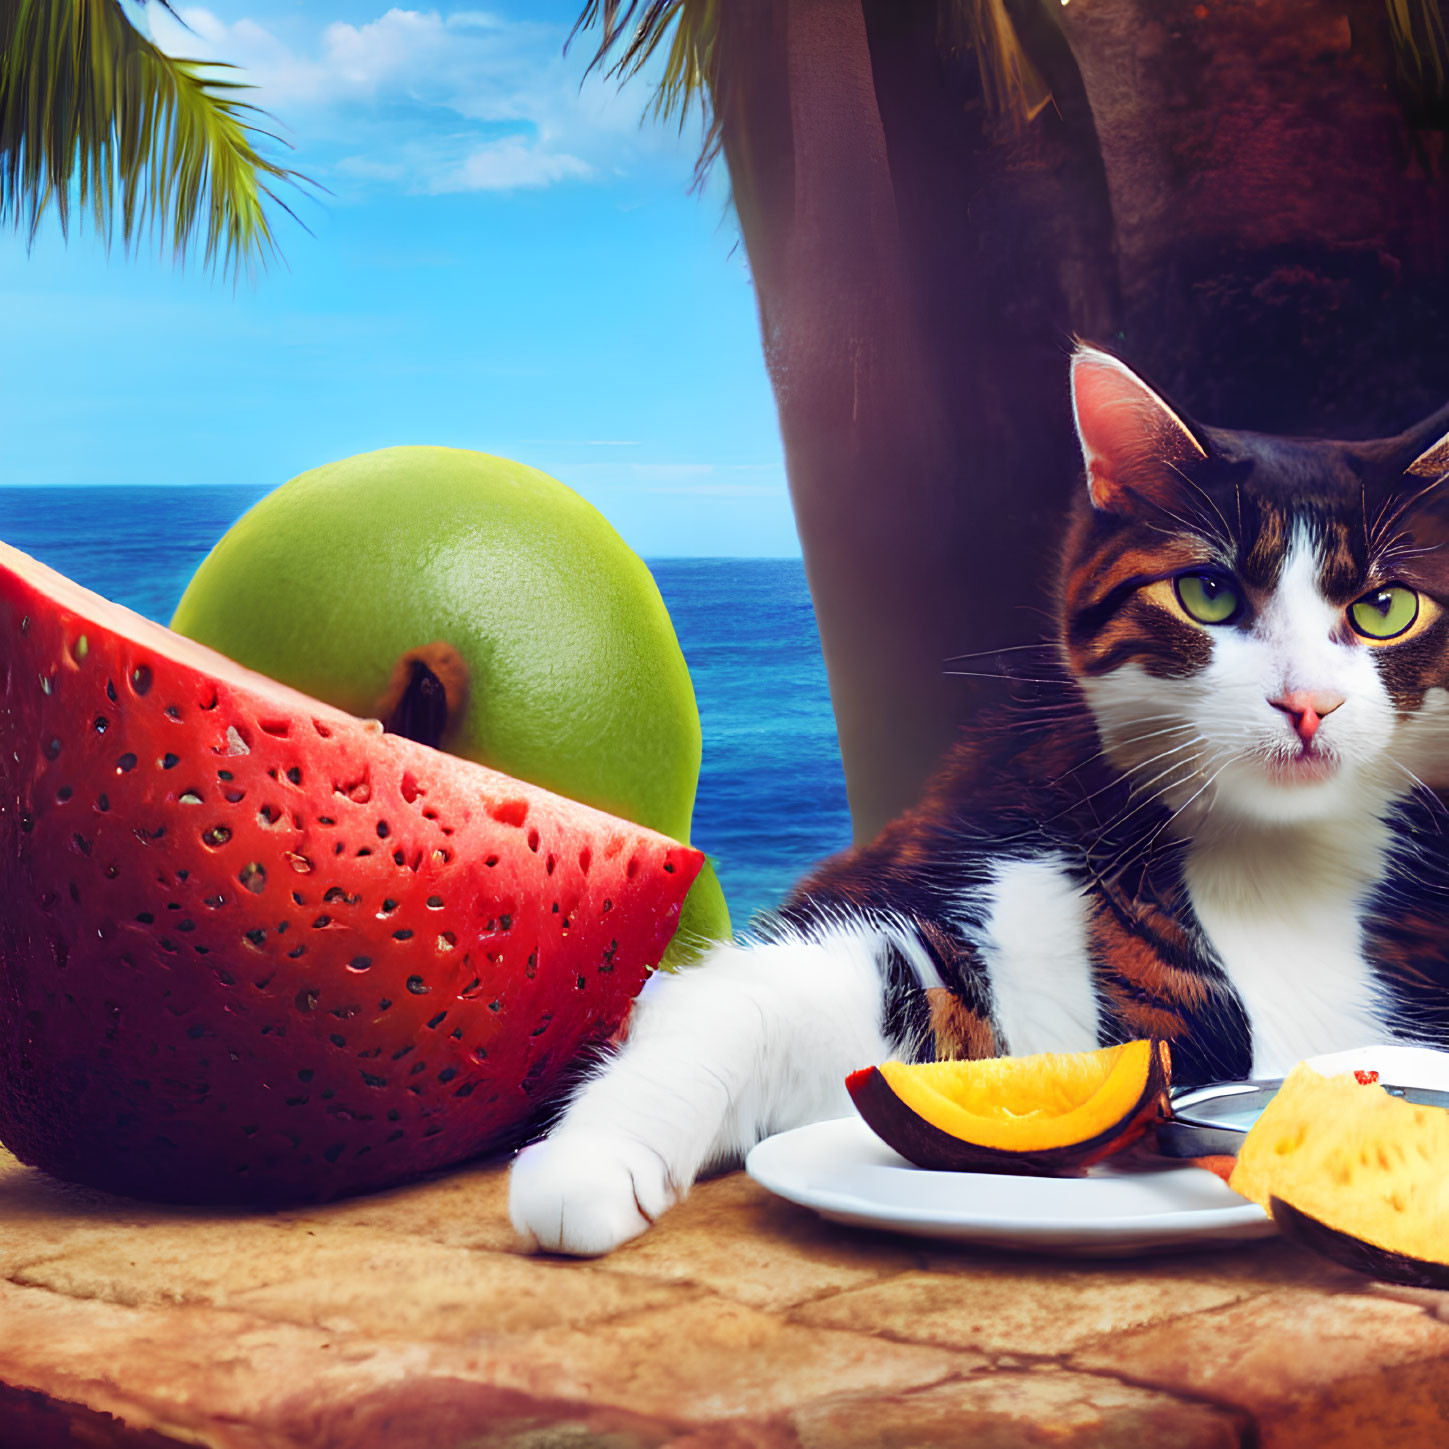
x: 432, y: 101
x: 506, y: 165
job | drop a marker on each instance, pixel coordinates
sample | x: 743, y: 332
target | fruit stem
x: 425, y: 694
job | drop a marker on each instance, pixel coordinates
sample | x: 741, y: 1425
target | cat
x: 1212, y: 815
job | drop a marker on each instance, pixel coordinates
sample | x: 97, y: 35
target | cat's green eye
x: 1208, y: 598
x: 1385, y: 613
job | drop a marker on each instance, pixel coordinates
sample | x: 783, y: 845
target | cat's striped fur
x: 1229, y: 833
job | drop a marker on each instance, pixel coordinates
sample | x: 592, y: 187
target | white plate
x: 845, y: 1173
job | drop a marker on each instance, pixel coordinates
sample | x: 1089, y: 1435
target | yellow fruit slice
x: 1354, y: 1173
x: 1052, y: 1114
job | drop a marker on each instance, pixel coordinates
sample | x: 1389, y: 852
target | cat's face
x: 1260, y: 625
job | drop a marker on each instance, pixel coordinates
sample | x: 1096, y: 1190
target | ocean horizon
x: 771, y: 799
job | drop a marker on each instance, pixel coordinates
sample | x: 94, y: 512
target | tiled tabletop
x: 409, y: 1320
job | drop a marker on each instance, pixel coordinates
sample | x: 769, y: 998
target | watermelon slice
x: 252, y: 949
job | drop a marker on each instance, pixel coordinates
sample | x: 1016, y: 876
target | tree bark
x: 1229, y: 192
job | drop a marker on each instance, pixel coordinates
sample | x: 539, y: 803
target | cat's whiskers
x: 1429, y: 794
x: 1119, y: 746
x: 1119, y: 865
x: 1187, y: 769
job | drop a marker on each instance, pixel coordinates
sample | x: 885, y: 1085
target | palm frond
x: 633, y: 31
x: 93, y: 117
x: 691, y: 69
x: 1421, y: 49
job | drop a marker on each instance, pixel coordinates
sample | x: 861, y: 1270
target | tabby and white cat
x: 1212, y: 816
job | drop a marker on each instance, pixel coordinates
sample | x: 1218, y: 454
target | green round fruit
x: 481, y: 606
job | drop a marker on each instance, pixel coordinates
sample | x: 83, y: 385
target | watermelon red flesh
x: 253, y: 949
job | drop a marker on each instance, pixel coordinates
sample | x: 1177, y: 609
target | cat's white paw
x: 585, y: 1193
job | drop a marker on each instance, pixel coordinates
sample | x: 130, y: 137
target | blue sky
x: 506, y: 261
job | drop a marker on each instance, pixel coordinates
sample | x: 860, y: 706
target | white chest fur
x: 1282, y: 907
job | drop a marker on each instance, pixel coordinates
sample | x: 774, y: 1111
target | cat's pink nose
x: 1306, y: 708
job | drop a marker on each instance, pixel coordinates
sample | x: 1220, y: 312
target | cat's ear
x: 1429, y: 443
x: 1132, y: 441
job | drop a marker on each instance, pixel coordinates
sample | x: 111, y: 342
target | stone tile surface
x: 408, y: 1320
x: 736, y: 1239
x: 1311, y: 1368
x: 1017, y: 1410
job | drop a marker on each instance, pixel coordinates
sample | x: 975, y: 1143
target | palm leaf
x: 94, y: 118
x: 1421, y: 48
x: 635, y: 30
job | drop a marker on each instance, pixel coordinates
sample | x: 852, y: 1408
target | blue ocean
x: 771, y: 796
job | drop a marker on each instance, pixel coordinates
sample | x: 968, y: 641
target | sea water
x: 771, y: 796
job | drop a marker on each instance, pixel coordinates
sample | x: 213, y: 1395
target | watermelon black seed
x: 27, y: 824
x: 550, y: 864
x: 371, y: 1080
x: 257, y: 937
x: 359, y: 963
x: 418, y: 986
x: 402, y: 1051
x: 101, y: 725
x: 398, y: 858
x: 403, y: 935
x: 384, y: 1004
x: 435, y: 903
x: 214, y: 901
x: 296, y: 953
x: 533, y: 841
x: 294, y: 775
x: 172, y: 712
x: 64, y: 793
x: 447, y: 1074
x: 298, y: 1101
x: 306, y: 1000
x: 126, y: 763
x: 305, y: 1075
x: 81, y: 844
x: 337, y: 1039
x: 437, y: 1021
x: 334, y: 1152
x: 111, y: 690
x: 254, y: 877
x: 582, y: 983
x: 416, y: 1068
x: 52, y: 749
x: 195, y: 1033
x: 141, y: 680
x: 457, y: 1033
x: 491, y: 861
x: 388, y: 907
x: 169, y: 761
x: 382, y: 829
x: 321, y: 923
x: 466, y: 1090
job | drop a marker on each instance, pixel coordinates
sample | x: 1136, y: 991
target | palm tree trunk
x: 1230, y: 193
